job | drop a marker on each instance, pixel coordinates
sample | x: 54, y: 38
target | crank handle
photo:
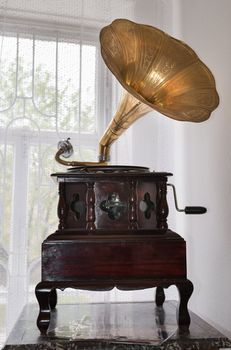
x: 187, y: 210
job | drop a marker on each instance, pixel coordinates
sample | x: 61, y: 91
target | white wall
x: 206, y: 26
x: 200, y: 157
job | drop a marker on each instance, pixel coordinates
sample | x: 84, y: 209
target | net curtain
x: 53, y: 85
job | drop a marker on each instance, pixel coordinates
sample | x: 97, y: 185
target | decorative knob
x: 113, y: 206
x: 66, y: 147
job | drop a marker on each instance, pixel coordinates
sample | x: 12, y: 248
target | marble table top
x: 114, y: 326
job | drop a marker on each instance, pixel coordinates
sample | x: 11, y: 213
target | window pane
x: 88, y: 89
x: 7, y: 73
x: 45, y: 87
x: 6, y: 194
x: 25, y: 52
x: 49, y: 81
x: 69, y: 86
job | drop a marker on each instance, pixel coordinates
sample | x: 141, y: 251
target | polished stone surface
x: 114, y: 326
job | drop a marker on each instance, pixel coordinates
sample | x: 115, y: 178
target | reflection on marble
x: 118, y: 323
x: 114, y: 326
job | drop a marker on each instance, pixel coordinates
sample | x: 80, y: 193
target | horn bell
x: 159, y: 72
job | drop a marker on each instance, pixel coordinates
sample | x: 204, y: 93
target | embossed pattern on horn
x: 160, y: 71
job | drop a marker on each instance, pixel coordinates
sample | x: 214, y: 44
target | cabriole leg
x: 43, y: 294
x: 185, y: 289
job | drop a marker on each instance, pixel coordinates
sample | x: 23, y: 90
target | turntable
x: 113, y: 229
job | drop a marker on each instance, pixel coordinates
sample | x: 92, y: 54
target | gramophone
x: 113, y: 229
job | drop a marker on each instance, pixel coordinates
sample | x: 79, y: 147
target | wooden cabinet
x: 112, y: 232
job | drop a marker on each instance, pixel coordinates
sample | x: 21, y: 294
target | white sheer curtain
x: 53, y: 85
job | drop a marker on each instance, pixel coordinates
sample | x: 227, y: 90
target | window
x: 53, y: 85
x: 49, y: 90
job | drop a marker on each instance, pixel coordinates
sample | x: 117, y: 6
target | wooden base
x: 128, y: 262
x: 47, y: 297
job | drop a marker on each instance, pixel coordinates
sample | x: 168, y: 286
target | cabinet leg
x: 160, y: 296
x: 43, y: 294
x: 53, y: 299
x: 185, y: 289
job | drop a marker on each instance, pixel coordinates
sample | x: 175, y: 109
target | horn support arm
x: 130, y: 109
x: 65, y: 150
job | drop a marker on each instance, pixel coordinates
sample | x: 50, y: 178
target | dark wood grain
x: 90, y: 202
x: 62, y: 207
x: 185, y: 290
x: 113, y: 232
x: 104, y: 262
x: 162, y: 205
x: 93, y: 189
x: 133, y: 206
x: 111, y: 257
x: 43, y: 292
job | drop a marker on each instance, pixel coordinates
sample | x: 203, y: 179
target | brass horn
x: 158, y: 72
